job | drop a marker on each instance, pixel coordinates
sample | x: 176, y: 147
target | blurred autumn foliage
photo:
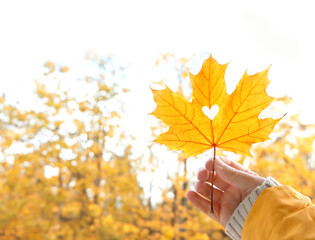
x: 68, y: 171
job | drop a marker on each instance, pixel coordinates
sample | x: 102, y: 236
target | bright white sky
x: 250, y: 34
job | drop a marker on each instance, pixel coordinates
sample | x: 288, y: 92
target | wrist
x: 235, y: 224
x: 256, y: 182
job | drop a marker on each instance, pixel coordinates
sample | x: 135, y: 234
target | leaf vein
x: 173, y: 106
x: 237, y: 110
x: 247, y: 134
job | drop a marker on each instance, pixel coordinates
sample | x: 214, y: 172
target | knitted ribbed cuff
x: 235, y: 224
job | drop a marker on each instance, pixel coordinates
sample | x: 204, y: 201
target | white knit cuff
x: 235, y: 224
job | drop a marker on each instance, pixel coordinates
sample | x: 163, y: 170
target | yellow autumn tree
x: 66, y: 168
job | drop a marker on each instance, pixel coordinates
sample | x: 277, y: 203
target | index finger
x: 240, y: 177
x: 230, y: 163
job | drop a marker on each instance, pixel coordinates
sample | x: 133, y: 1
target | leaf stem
x: 212, y: 178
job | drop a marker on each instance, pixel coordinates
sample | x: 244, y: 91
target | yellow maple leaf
x: 236, y: 126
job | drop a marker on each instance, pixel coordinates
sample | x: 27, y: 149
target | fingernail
x: 200, y: 169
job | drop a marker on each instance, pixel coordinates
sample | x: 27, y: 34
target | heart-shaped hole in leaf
x: 211, y: 113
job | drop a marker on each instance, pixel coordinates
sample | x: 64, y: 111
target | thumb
x: 235, y: 176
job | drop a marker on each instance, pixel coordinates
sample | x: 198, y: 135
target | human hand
x: 232, y: 183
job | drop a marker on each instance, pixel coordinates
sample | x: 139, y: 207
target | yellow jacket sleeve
x: 280, y: 213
